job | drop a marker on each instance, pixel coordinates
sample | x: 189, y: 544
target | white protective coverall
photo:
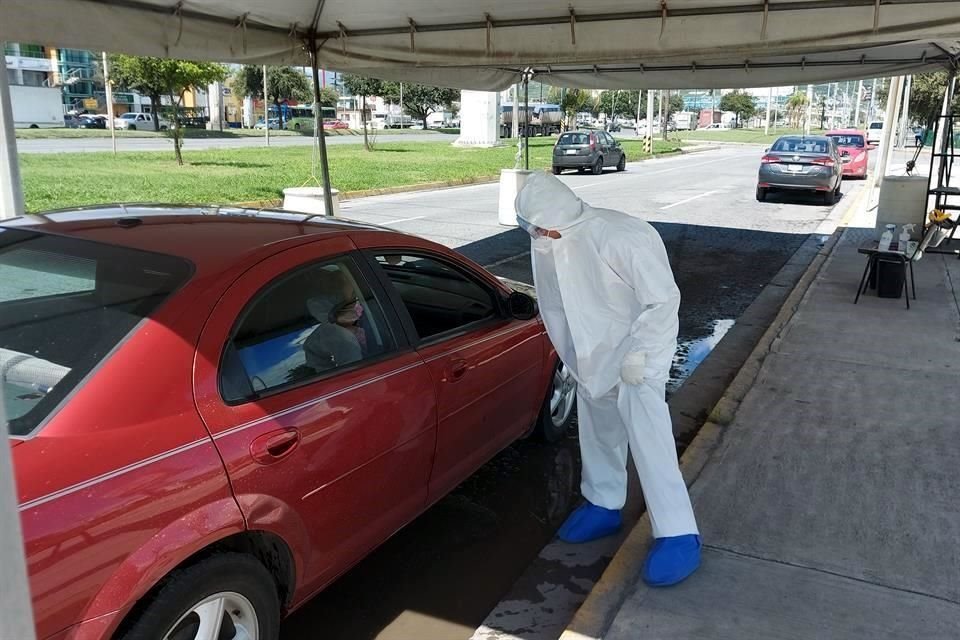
x: 606, y: 290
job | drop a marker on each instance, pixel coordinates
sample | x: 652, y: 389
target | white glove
x: 631, y: 371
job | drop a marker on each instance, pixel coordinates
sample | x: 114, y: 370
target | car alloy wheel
x: 222, y: 616
x: 598, y: 167
x: 563, y: 395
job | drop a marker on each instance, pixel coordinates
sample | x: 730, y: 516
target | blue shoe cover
x: 672, y: 560
x: 590, y: 522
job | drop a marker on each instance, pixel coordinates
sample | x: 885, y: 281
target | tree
x: 741, y: 103
x: 283, y: 83
x: 362, y: 86
x: 571, y: 101
x: 421, y: 100
x: 329, y: 97
x: 926, y: 96
x: 162, y: 76
x: 619, y: 103
x: 796, y: 108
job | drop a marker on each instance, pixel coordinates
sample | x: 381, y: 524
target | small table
x: 872, y: 251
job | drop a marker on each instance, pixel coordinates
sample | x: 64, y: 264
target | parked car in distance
x: 875, y: 132
x: 92, y: 122
x: 274, y: 124
x: 143, y: 121
x: 216, y: 412
x: 333, y: 123
x: 583, y: 150
x: 71, y: 121
x: 854, y: 151
x: 716, y: 125
x: 801, y: 163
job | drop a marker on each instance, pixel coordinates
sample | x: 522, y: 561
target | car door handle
x: 274, y: 446
x: 457, y: 369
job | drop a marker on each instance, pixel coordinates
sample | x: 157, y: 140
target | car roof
x: 212, y: 237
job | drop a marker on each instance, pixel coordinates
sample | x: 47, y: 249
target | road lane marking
x: 402, y: 220
x: 691, y: 199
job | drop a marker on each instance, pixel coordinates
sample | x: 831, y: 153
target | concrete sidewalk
x: 828, y: 495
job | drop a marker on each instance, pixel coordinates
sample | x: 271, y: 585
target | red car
x: 854, y: 151
x: 335, y: 124
x: 215, y: 413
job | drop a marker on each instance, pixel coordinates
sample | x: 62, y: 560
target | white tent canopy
x: 485, y: 44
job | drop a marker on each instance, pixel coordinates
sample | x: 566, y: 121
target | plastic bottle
x: 903, y: 243
x: 886, y: 239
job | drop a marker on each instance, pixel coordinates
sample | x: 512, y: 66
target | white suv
x: 875, y: 132
x: 133, y: 121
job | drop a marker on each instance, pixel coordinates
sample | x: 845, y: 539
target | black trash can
x: 890, y: 277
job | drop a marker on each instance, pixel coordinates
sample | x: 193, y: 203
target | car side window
x: 302, y: 326
x: 440, y: 299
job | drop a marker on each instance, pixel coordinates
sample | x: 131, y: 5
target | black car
x: 91, y: 122
x: 582, y: 150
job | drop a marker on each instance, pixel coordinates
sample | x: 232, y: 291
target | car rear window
x: 65, y: 304
x: 848, y: 140
x: 574, y: 138
x: 801, y: 145
x: 876, y: 125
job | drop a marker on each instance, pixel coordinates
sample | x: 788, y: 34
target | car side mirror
x: 767, y: 150
x: 522, y: 306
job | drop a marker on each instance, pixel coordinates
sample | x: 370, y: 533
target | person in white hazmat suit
x: 609, y: 302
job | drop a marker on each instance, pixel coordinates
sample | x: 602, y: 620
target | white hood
x: 546, y: 202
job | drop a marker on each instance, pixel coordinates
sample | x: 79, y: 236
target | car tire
x: 132, y: 127
x: 761, y: 194
x: 622, y: 165
x: 557, y: 171
x: 248, y: 589
x: 559, y: 406
x: 597, y: 167
x: 296, y: 127
x: 830, y: 198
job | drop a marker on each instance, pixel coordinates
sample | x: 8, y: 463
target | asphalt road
x: 89, y: 145
x: 439, y: 577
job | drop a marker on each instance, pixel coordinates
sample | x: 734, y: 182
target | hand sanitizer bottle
x: 886, y: 239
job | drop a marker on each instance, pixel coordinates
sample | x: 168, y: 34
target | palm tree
x: 797, y: 108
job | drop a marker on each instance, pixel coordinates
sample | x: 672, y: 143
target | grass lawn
x: 755, y: 136
x: 61, y: 133
x: 54, y: 181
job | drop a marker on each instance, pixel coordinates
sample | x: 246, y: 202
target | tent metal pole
x: 526, y: 121
x: 109, y: 91
x: 16, y: 612
x: 11, y: 189
x: 856, y: 113
x: 318, y: 129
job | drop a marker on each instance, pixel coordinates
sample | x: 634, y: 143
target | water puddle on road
x: 691, y: 353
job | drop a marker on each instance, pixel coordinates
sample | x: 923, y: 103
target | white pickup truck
x: 138, y: 121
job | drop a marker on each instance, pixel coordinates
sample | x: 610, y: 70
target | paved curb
x: 449, y: 184
x: 598, y: 611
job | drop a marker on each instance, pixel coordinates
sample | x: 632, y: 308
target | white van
x: 875, y: 132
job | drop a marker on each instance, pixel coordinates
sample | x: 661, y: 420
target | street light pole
x: 266, y: 106
x: 109, y: 90
x: 766, y: 125
x: 856, y: 113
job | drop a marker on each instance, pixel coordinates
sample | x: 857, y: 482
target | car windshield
x: 800, y: 145
x: 848, y: 140
x: 574, y: 138
x: 876, y: 125
x: 65, y: 304
x: 128, y: 116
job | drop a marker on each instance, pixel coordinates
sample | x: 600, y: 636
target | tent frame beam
x: 657, y: 14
